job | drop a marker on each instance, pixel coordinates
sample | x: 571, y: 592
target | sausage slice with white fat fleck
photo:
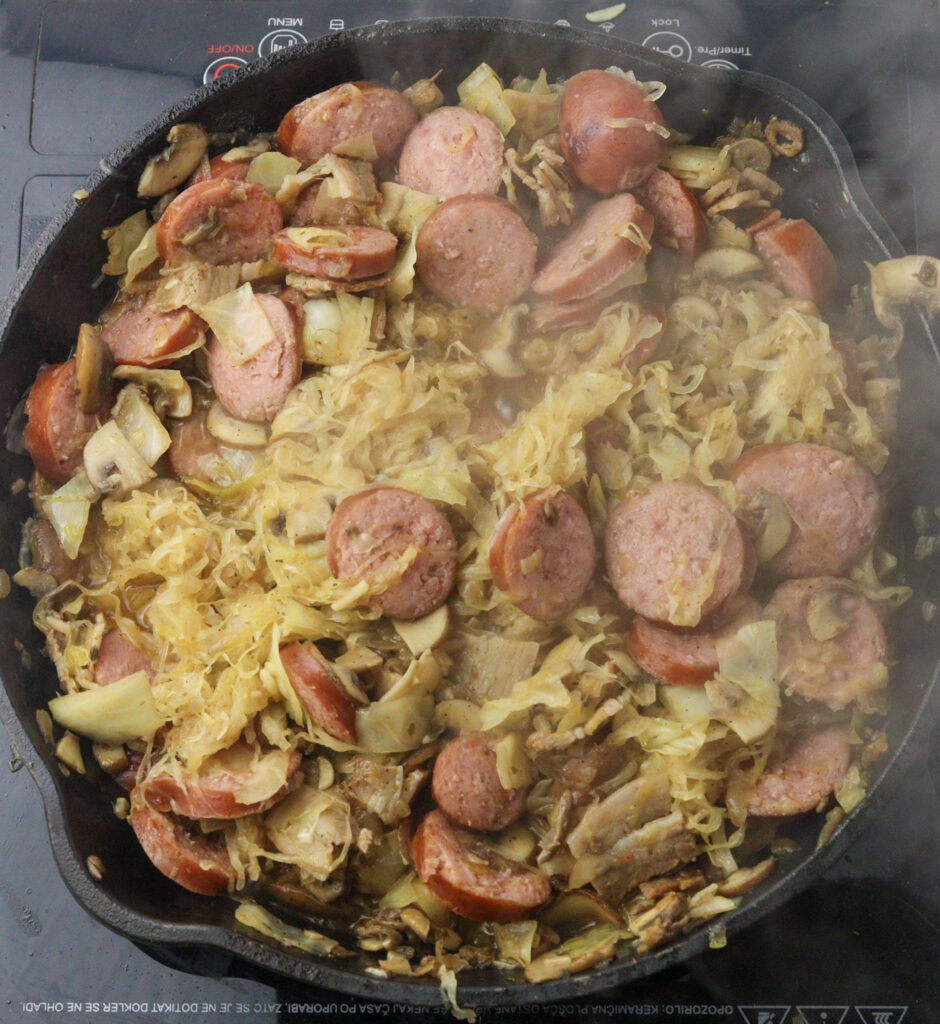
x: 600, y: 248
x: 822, y: 506
x: 687, y: 658
x: 676, y: 553
x: 611, y: 131
x: 543, y: 554
x: 372, y: 531
x: 830, y: 642
x: 680, y: 224
x: 320, y: 690
x: 452, y: 152
x: 219, y: 221
x: 256, y: 389
x: 797, y: 259
x: 801, y: 776
x: 343, y: 253
x: 118, y: 657
x: 467, y: 788
x: 471, y: 879
x: 476, y: 251
x: 56, y: 429
x: 181, y: 853
x: 216, y: 790
x: 350, y: 114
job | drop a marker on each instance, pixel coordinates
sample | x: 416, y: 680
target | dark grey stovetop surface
x: 76, y: 76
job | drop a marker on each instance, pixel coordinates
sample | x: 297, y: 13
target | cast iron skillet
x: 56, y: 290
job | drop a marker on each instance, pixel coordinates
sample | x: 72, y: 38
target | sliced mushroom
x: 93, y: 365
x: 752, y: 153
x: 726, y: 261
x: 112, y: 462
x: 167, y: 390
x: 187, y: 146
x: 897, y: 282
x: 238, y: 433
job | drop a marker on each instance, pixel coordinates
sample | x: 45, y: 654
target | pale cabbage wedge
x: 117, y: 713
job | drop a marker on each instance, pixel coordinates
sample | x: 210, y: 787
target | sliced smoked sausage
x: 675, y: 554
x: 467, y: 788
x: 46, y: 551
x: 219, y: 221
x: 256, y: 389
x: 680, y: 224
x: 371, y: 530
x: 178, y: 851
x: 797, y: 259
x: 612, y: 133
x: 831, y: 500
x: 140, y: 335
x: 543, y: 554
x: 351, y: 111
x: 320, y: 690
x: 471, y: 879
x: 214, y: 790
x: 56, y: 429
x: 600, y: 248
x: 476, y: 251
x: 804, y: 774
x: 830, y: 642
x: 452, y: 152
x: 686, y: 658
x: 344, y: 253
x: 118, y: 657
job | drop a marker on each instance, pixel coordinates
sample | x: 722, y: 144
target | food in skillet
x: 463, y: 525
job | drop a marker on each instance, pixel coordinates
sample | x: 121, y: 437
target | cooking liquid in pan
x: 156, y: 55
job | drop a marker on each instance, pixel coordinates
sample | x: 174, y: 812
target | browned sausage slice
x: 675, y: 554
x: 196, y: 456
x: 467, y: 788
x: 343, y: 253
x: 320, y: 691
x: 680, y: 223
x: 219, y: 221
x: 57, y: 429
x: 213, y: 791
x: 185, y: 857
x: 797, y: 259
x: 452, y: 152
x: 803, y: 776
x: 831, y: 500
x: 609, y: 131
x: 143, y: 336
x: 686, y: 658
x: 476, y: 251
x: 256, y: 389
x: 543, y: 554
x: 371, y: 530
x: 469, y: 878
x: 321, y: 123
x: 118, y: 657
x: 601, y: 247
x: 830, y: 642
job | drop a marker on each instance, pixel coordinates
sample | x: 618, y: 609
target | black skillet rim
x: 41, y: 763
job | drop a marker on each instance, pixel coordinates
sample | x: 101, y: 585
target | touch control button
x: 671, y: 44
x: 279, y: 39
x: 220, y: 68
